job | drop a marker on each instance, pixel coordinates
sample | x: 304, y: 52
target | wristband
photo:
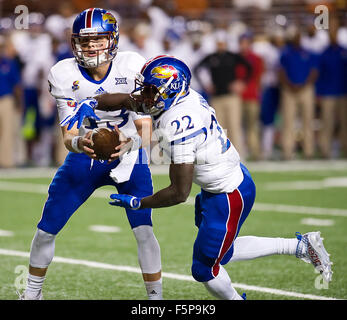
x: 135, y: 203
x: 137, y: 142
x: 74, y: 144
x: 93, y: 103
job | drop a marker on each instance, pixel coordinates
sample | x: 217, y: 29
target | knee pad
x: 148, y: 249
x: 201, y: 272
x: 42, y: 249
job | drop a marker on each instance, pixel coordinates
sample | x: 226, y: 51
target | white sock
x: 250, y: 247
x: 34, y: 285
x: 154, y: 290
x: 221, y: 287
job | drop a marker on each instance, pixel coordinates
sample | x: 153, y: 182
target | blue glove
x: 85, y: 109
x: 125, y: 201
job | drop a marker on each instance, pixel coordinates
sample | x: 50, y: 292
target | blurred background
x: 274, y: 70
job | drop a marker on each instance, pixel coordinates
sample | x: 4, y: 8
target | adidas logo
x: 100, y: 91
x: 153, y: 292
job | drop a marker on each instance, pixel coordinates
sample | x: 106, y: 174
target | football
x: 104, y: 142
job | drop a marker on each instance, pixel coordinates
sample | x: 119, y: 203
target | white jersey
x: 69, y: 83
x: 189, y: 133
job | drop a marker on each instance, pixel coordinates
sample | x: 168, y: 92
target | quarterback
x: 97, y: 68
x: 200, y: 152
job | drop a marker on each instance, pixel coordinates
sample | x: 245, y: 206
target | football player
x: 96, y: 68
x: 200, y: 152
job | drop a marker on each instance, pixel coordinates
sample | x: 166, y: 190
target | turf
x: 175, y: 230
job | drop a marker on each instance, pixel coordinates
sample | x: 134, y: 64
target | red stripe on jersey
x: 89, y: 18
x: 153, y: 59
x: 235, y: 211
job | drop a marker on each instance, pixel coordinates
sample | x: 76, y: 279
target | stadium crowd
x: 279, y: 94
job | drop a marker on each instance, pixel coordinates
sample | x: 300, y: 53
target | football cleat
x: 310, y: 249
x: 25, y: 296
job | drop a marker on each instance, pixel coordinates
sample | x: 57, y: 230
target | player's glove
x: 84, y: 109
x: 125, y: 201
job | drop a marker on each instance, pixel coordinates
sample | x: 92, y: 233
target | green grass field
x: 275, y: 277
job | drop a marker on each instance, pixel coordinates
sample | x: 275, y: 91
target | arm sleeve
x: 65, y: 104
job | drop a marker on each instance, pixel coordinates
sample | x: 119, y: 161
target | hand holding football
x: 104, y: 142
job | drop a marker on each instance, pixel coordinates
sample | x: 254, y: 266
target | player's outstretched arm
x: 108, y: 102
x: 139, y: 101
x: 113, y: 101
x: 117, y: 101
x: 181, y: 176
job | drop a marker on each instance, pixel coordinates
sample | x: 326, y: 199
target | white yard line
x: 286, y: 208
x: 6, y: 233
x: 104, y: 229
x: 24, y: 187
x: 266, y: 207
x: 317, y: 222
x: 27, y: 173
x: 258, y: 206
x: 260, y: 166
x: 100, y: 265
x: 297, y: 165
x: 335, y: 182
x: 278, y: 166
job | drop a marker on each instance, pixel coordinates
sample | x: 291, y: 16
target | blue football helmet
x: 93, y: 23
x: 163, y: 82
